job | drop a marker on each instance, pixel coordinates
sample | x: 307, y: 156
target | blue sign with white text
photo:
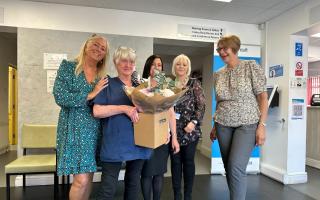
x: 275, y: 71
x: 298, y: 49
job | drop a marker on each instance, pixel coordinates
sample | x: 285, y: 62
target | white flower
x: 167, y: 92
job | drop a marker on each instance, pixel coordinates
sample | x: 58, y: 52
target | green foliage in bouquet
x: 163, y: 82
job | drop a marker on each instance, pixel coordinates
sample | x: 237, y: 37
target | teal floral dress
x: 78, y: 131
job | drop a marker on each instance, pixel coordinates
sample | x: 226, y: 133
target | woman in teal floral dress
x: 76, y: 83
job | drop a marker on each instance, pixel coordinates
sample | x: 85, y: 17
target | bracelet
x: 263, y: 124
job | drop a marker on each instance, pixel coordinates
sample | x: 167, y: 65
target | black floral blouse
x: 190, y: 107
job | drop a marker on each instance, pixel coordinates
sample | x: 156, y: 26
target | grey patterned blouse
x: 236, y: 90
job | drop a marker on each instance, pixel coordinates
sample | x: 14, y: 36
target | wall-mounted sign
x: 51, y: 77
x: 53, y: 60
x: 203, y: 33
x: 299, y: 69
x: 297, y: 109
x: 276, y: 71
x: 298, y: 48
x: 298, y: 83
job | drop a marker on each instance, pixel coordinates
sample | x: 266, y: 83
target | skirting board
x: 205, y: 151
x: 313, y: 163
x: 4, y: 150
x: 281, y: 176
x: 217, y: 166
x: 47, y: 179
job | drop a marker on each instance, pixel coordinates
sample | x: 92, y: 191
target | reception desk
x: 313, y: 136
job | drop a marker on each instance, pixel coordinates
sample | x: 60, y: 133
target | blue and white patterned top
x: 78, y: 130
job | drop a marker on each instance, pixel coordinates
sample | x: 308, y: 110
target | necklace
x: 181, y: 83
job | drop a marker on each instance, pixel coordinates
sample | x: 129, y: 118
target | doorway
x: 8, y: 57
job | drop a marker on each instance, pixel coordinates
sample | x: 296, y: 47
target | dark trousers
x: 109, y: 180
x: 236, y: 144
x: 182, y: 164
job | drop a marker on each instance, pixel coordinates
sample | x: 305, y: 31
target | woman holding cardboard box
x: 189, y: 114
x: 117, y: 112
x: 153, y: 169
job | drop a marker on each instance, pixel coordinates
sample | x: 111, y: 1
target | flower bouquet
x: 152, y: 128
x: 155, y: 99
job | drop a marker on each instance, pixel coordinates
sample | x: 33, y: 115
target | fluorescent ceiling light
x: 223, y: 0
x: 316, y: 35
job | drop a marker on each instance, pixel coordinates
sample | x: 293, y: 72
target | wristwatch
x: 195, y: 122
x: 263, y: 124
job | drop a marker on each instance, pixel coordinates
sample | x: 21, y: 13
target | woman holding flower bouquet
x: 117, y: 114
x: 189, y: 114
x: 153, y: 169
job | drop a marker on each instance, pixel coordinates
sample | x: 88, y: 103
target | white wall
x: 284, y: 148
x: 8, y: 54
x: 207, y: 80
x: 88, y: 19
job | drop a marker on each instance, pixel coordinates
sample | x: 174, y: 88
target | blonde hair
x: 231, y: 41
x: 124, y: 53
x: 101, y: 65
x: 180, y: 58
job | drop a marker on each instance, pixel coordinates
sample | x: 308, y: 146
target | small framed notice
x: 297, y: 109
x: 53, y: 60
x: 51, y: 77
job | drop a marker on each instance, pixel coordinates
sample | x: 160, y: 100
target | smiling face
x: 96, y: 49
x: 157, y: 64
x: 181, y: 68
x: 226, y: 54
x: 125, y: 66
x: 228, y: 48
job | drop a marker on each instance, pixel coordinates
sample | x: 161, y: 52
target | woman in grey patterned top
x: 241, y: 113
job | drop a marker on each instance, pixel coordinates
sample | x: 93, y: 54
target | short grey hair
x: 124, y: 53
x: 179, y: 58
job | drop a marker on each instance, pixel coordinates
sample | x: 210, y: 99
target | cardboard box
x: 152, y: 129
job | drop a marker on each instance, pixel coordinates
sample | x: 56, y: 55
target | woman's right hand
x: 132, y: 112
x: 213, y: 133
x: 175, y: 145
x: 103, y: 83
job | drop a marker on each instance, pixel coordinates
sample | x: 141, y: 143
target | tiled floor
x: 205, y: 187
x: 5, y: 159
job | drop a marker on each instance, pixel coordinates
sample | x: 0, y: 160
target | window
x: 313, y: 87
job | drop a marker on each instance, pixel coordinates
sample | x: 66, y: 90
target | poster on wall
x: 298, y: 83
x: 298, y: 69
x: 51, y: 77
x: 53, y: 60
x: 297, y: 109
x: 298, y: 49
x: 275, y: 71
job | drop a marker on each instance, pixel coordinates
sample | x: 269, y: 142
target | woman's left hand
x: 175, y: 145
x: 260, y: 135
x: 189, y: 128
x: 168, y: 138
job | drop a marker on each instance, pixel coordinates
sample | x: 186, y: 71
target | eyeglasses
x: 98, y: 47
x: 222, y: 48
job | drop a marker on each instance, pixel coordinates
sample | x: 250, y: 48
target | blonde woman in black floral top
x: 189, y: 114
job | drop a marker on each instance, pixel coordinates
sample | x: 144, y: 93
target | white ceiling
x: 244, y: 11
